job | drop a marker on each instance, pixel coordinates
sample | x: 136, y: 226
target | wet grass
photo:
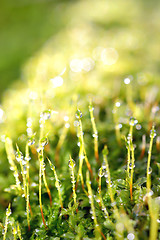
x: 80, y: 141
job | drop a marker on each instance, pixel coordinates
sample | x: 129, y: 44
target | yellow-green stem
x: 71, y: 165
x: 56, y: 183
x: 90, y: 195
x: 8, y: 212
x: 95, y: 133
x: 152, y: 135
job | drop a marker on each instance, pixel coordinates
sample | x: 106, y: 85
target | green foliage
x: 84, y: 174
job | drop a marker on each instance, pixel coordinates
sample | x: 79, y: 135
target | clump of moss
x: 82, y: 163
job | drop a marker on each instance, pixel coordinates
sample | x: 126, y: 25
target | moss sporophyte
x: 80, y: 140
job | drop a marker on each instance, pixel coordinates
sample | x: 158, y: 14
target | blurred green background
x: 26, y: 25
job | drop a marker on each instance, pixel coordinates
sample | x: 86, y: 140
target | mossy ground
x: 111, y: 61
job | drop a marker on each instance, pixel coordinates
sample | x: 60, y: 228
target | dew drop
x: 133, y: 121
x: 67, y: 125
x: 44, y: 141
x: 78, y: 114
x: 150, y: 170
x: 130, y: 166
x: 138, y: 127
x: 76, y: 123
x: 95, y: 135
x: 71, y: 163
x: 100, y: 172
x: 19, y: 156
x: 118, y: 104
x: 153, y: 133
x: 130, y: 236
x: 45, y: 114
x: 127, y: 81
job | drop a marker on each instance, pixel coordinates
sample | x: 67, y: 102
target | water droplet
x: 29, y: 131
x: 127, y: 81
x: 138, y: 127
x: 132, y: 121
x: 104, y: 165
x: 150, y: 170
x: 31, y: 139
x: 67, y: 125
x: 95, y: 135
x: 130, y: 166
x: 78, y: 114
x: 98, y: 199
x: 39, y: 149
x: 27, y: 158
x: 100, y: 172
x: 117, y: 104
x: 44, y: 141
x: 45, y: 115
x: 76, y: 123
x: 57, y: 81
x: 34, y: 184
x: 66, y: 118
x: 71, y: 163
x: 19, y: 156
x: 29, y: 122
x: 153, y: 133
x: 8, y: 212
x: 130, y: 236
x: 57, y: 184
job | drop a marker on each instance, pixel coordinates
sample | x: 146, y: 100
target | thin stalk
x: 19, y: 157
x: 153, y: 205
x: 25, y: 177
x: 128, y: 161
x: 14, y: 230
x: 91, y: 200
x: 11, y: 159
x: 8, y: 213
x: 152, y: 136
x: 83, y: 148
x: 100, y: 200
x: 40, y: 191
x: 71, y: 166
x: 42, y: 143
x: 108, y: 181
x: 132, y: 122
x: 27, y: 206
x: 82, y: 153
x: 27, y: 158
x: 132, y: 171
x: 57, y: 184
x: 154, y: 213
x: 95, y: 133
x: 19, y: 231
